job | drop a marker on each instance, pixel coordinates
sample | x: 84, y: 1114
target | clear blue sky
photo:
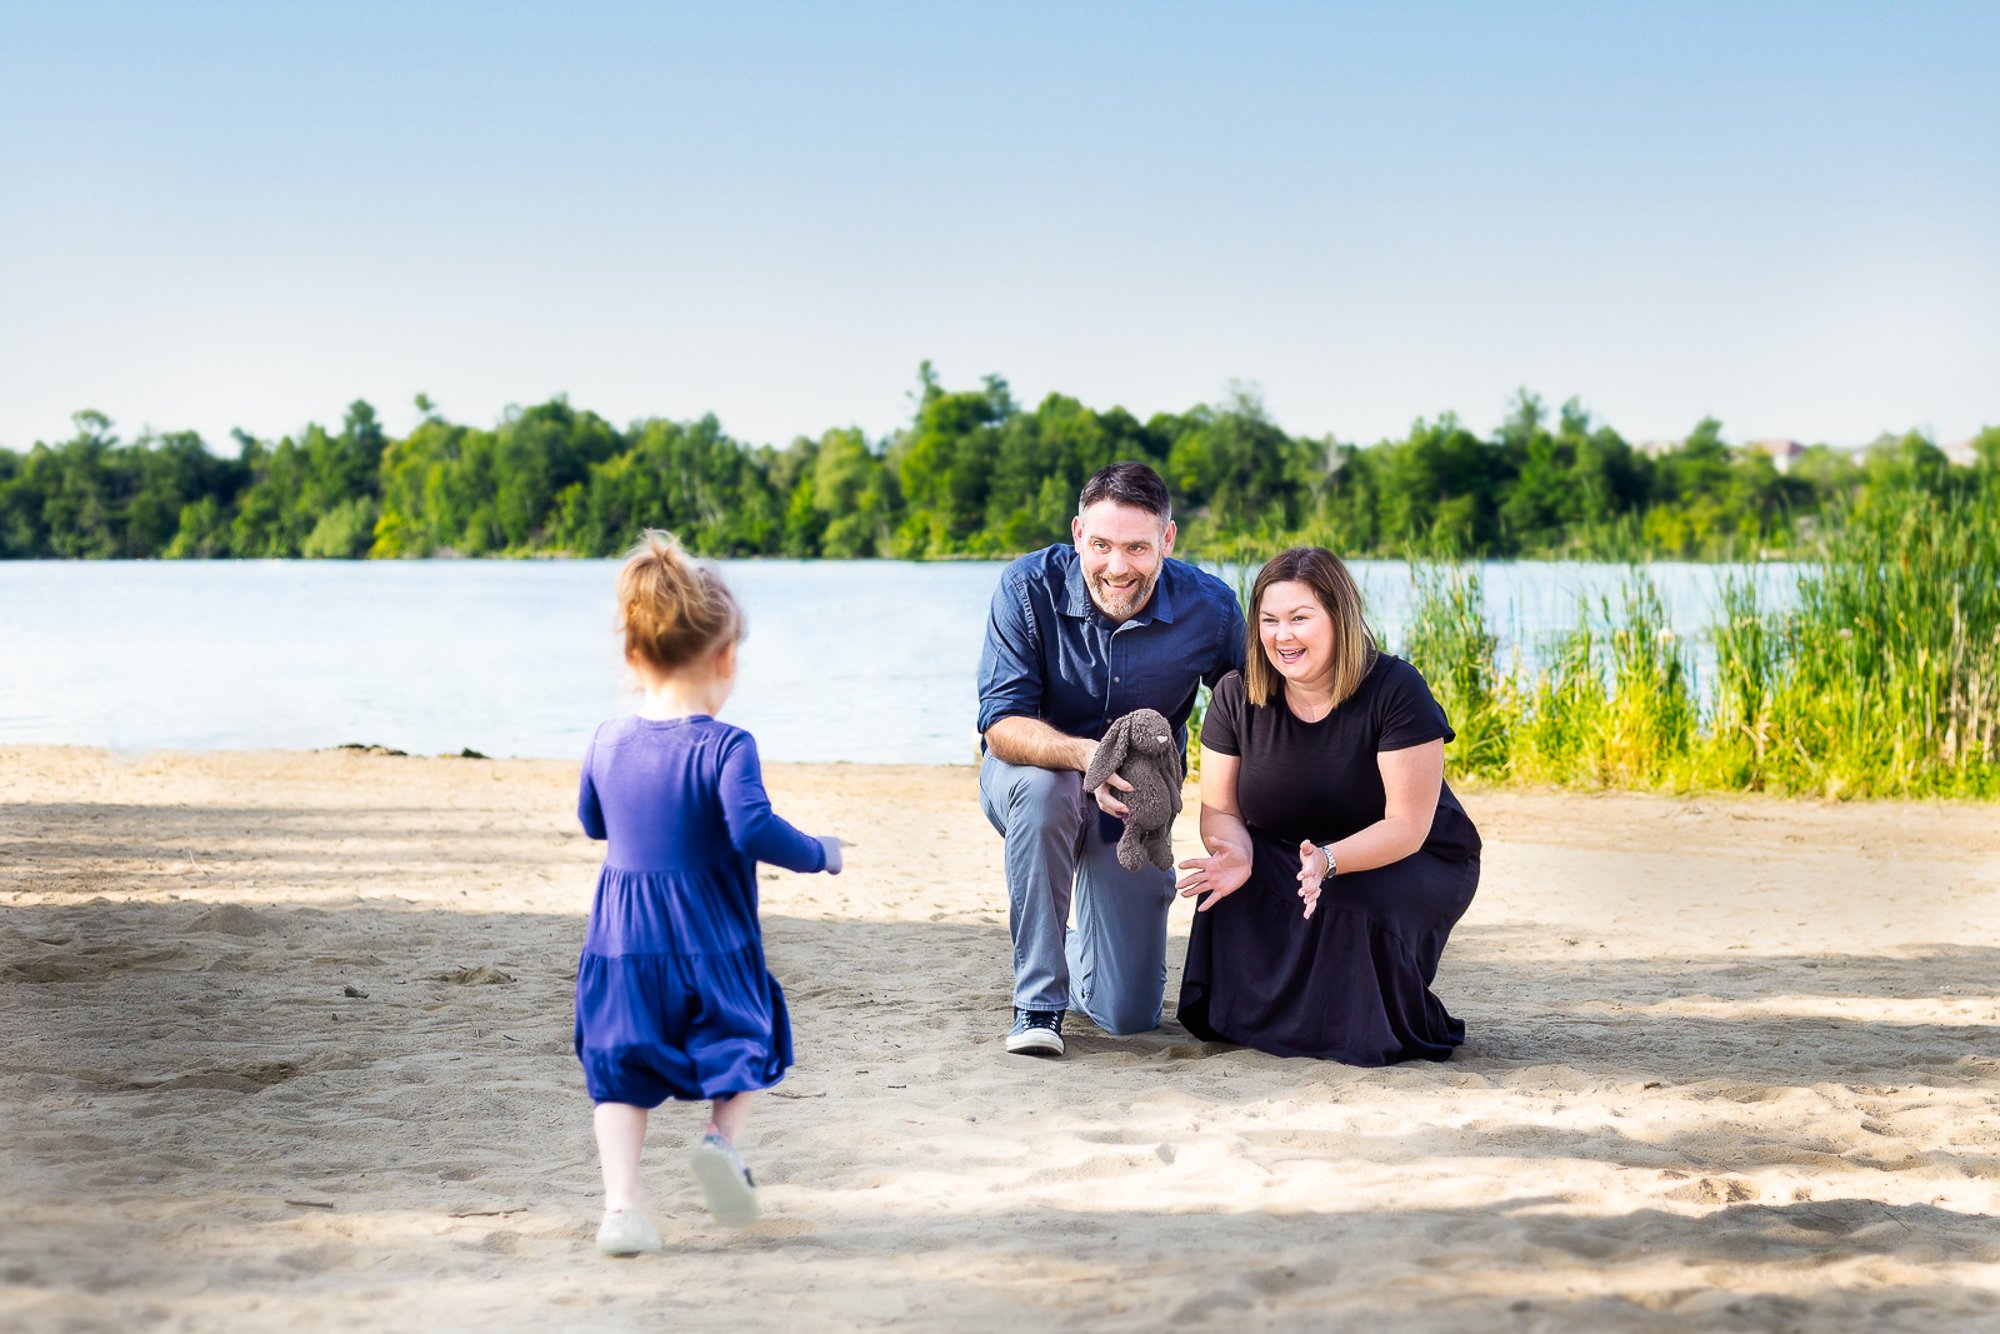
x: 223, y: 214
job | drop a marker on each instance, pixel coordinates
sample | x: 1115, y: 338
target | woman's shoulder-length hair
x: 1354, y: 648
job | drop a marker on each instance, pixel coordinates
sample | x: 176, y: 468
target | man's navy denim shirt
x: 1051, y: 654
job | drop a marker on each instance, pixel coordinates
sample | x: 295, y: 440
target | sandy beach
x: 287, y: 1045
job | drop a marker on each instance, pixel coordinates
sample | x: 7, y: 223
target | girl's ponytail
x: 671, y: 607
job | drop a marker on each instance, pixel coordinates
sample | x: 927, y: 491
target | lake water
x: 865, y: 661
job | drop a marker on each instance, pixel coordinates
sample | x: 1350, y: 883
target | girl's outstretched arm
x: 756, y: 829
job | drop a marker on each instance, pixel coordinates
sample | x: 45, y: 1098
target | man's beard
x: 1123, y: 606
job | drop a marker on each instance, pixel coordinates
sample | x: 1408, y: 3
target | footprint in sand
x: 1285, y: 1279
x: 1713, y: 1190
x: 86, y: 965
x: 1208, y: 1305
x: 61, y: 969
x: 243, y: 1077
x: 232, y: 919
x: 482, y: 976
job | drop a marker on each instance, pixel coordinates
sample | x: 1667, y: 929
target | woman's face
x: 1297, y: 633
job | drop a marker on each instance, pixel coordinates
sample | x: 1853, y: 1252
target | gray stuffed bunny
x: 1140, y: 749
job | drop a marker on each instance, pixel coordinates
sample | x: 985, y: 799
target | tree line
x: 973, y: 474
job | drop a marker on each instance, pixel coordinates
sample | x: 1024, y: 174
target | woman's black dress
x: 1352, y: 982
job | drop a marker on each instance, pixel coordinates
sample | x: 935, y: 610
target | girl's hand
x: 1219, y: 874
x: 1312, y: 871
x: 832, y: 846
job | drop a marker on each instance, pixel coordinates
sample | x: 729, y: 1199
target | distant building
x: 1783, y: 453
x: 1964, y: 454
x: 1780, y: 451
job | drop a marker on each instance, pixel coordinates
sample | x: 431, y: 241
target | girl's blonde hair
x: 672, y: 607
x: 1354, y: 649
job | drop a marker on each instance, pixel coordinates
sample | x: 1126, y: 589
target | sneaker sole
x: 1035, y: 1042
x: 624, y: 1247
x: 732, y: 1203
x: 624, y: 1250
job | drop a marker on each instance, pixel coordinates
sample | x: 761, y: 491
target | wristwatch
x: 1326, y: 851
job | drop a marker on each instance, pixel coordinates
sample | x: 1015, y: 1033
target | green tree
x: 1534, y: 512
x: 437, y: 493
x: 1440, y: 491
x: 851, y: 494
x: 943, y: 464
x: 538, y: 454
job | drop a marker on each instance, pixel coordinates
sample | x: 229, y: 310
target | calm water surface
x: 865, y: 661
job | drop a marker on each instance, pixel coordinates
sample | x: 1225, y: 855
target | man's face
x: 1122, y: 550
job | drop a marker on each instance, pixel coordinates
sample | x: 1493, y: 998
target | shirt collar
x: 1077, y: 603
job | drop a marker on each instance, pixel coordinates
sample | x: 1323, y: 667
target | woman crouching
x: 1339, y: 859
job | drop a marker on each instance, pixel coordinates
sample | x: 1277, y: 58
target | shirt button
x: 1116, y: 679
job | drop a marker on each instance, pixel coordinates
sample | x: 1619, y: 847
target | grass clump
x: 1883, y: 682
x: 1888, y: 671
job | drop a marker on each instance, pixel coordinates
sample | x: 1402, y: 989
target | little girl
x: 672, y: 996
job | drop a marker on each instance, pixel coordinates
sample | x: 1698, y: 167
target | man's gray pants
x: 1112, y: 964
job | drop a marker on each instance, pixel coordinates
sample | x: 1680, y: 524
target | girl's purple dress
x: 672, y: 996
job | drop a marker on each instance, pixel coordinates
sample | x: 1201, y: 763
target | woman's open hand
x: 1312, y: 871
x: 1218, y: 875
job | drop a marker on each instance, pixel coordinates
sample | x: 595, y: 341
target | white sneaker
x: 627, y: 1232
x: 726, y: 1186
x: 1036, y: 1033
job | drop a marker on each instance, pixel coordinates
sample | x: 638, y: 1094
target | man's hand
x: 1107, y: 798
x: 1107, y: 792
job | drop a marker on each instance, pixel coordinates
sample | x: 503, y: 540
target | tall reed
x: 1449, y: 632
x: 1650, y: 718
x: 1749, y: 658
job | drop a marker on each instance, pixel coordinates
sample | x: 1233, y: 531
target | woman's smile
x: 1296, y: 633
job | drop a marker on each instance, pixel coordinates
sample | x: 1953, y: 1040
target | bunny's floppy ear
x: 1110, y: 754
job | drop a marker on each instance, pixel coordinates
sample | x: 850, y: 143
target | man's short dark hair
x: 1127, y: 483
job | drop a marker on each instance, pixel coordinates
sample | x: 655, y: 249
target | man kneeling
x: 1078, y: 636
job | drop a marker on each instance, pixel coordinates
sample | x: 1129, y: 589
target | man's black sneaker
x: 1036, y: 1033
